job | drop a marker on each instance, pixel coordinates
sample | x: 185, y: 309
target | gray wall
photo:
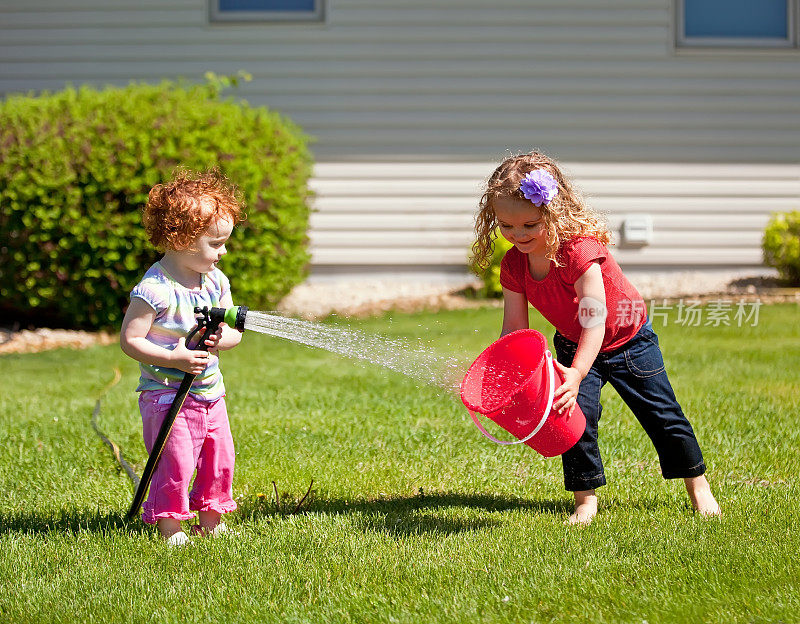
x: 428, y: 84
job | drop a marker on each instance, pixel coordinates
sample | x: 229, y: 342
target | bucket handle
x: 551, y: 378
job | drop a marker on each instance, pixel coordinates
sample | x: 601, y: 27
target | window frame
x: 791, y: 41
x: 318, y: 14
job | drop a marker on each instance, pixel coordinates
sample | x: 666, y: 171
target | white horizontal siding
x: 383, y: 238
x: 671, y: 259
x: 422, y: 214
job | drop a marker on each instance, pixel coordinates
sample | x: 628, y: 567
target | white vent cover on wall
x: 637, y: 230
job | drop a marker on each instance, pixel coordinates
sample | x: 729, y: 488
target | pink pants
x: 200, y: 439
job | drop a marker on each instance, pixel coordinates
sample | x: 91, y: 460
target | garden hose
x: 106, y: 440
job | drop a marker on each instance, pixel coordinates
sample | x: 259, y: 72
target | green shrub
x: 75, y: 170
x: 781, y: 245
x: 491, y: 276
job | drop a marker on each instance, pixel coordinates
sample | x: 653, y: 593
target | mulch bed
x: 43, y: 339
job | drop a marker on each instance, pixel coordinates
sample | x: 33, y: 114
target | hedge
x: 491, y: 275
x: 781, y: 246
x: 75, y: 170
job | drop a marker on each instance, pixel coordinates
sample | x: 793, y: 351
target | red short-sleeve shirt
x: 555, y: 297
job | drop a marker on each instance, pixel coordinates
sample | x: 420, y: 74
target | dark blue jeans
x: 636, y: 371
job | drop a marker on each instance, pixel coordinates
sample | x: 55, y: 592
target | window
x: 267, y: 10
x: 737, y: 23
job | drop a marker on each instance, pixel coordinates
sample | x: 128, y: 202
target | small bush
x: 491, y: 276
x: 75, y: 170
x: 781, y: 245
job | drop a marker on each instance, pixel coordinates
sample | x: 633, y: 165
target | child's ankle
x: 208, y: 520
x: 585, y: 507
x: 701, y: 496
x: 168, y: 527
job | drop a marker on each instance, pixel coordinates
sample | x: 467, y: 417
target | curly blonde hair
x: 564, y: 217
x: 177, y: 213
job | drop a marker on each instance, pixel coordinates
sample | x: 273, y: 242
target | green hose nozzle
x: 233, y: 317
x: 210, y: 318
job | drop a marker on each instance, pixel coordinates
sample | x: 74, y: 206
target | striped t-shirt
x: 174, y: 305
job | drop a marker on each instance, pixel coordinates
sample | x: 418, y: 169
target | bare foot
x: 702, y: 499
x: 585, y: 508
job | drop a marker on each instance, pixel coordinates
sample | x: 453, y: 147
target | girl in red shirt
x: 560, y: 265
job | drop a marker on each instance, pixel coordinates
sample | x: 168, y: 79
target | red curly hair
x: 178, y: 212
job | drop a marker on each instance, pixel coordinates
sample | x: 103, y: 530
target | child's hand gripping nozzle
x: 208, y: 321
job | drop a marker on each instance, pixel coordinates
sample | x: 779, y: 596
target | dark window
x: 267, y: 10
x: 737, y: 22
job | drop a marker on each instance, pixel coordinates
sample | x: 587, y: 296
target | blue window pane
x: 267, y: 5
x: 756, y: 19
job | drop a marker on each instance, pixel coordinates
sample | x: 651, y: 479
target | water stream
x: 411, y: 358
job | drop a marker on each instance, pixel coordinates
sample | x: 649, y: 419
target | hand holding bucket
x: 513, y: 383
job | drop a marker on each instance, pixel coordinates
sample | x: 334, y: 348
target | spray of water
x: 410, y: 358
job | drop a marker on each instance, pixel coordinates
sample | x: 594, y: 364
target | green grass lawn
x: 415, y: 516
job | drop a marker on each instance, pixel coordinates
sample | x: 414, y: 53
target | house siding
x: 411, y: 104
x: 418, y: 214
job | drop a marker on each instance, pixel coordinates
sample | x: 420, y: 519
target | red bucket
x: 512, y: 383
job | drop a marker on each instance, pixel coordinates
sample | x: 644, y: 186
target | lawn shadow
x: 418, y: 514
x: 408, y: 515
x: 68, y: 521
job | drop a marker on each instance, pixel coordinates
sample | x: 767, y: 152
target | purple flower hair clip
x: 539, y: 187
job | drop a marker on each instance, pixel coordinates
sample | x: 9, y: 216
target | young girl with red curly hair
x: 190, y: 219
x: 559, y: 263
